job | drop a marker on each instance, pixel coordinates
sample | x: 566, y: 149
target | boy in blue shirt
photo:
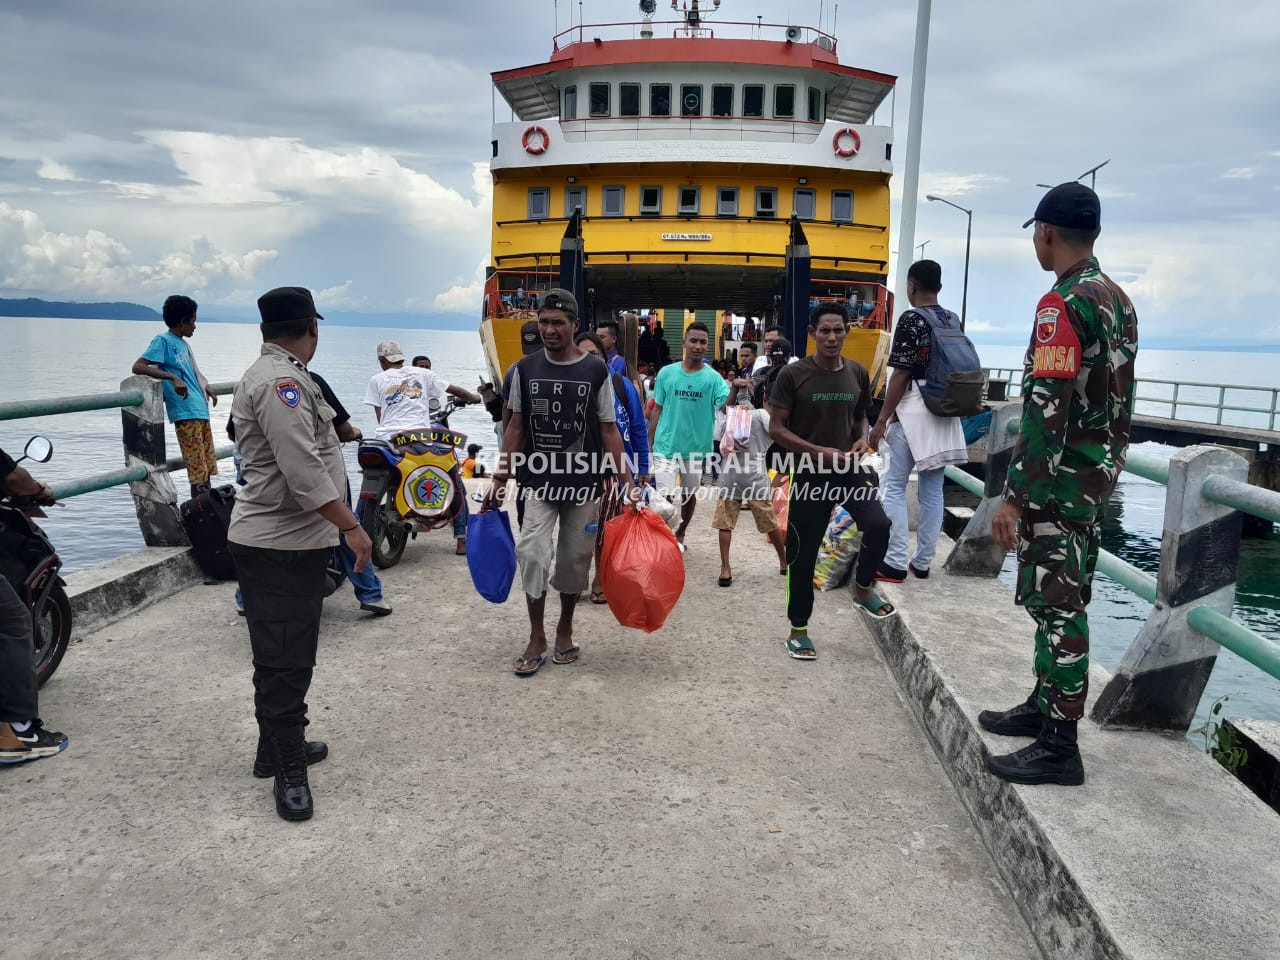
x: 169, y: 359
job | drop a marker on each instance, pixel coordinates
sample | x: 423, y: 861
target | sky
x: 222, y: 149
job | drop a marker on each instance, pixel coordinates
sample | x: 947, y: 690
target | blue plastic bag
x: 976, y: 427
x: 491, y: 554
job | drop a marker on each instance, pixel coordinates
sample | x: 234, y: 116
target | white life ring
x: 535, y: 140
x: 846, y: 142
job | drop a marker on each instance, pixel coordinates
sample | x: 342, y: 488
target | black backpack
x: 953, y: 380
x: 207, y: 518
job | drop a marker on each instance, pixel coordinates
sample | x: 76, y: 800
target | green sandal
x: 801, y: 648
x: 876, y: 606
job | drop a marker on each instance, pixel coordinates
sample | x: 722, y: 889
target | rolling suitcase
x: 206, y: 519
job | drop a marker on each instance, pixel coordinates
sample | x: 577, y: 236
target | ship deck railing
x: 714, y: 28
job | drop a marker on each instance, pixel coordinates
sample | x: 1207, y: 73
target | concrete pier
x: 690, y: 794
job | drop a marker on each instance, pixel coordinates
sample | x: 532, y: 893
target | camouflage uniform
x: 1078, y: 394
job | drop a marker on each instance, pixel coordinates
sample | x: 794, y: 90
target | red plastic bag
x: 782, y: 503
x: 641, y: 569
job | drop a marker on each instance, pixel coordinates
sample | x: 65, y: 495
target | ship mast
x: 693, y: 19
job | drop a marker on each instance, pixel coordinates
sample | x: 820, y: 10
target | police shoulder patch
x: 1056, y: 350
x: 289, y: 392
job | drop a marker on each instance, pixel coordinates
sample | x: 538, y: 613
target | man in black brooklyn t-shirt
x: 562, y: 423
x: 820, y: 407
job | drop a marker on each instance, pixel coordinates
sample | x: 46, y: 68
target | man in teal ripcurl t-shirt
x: 683, y: 420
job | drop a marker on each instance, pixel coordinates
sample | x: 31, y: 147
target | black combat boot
x: 289, y: 757
x: 1053, y: 758
x: 1024, y: 720
x: 317, y: 750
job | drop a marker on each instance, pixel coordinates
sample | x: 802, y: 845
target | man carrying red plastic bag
x: 563, y: 425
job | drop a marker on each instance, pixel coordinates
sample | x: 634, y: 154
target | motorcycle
x: 412, y: 482
x: 30, y: 563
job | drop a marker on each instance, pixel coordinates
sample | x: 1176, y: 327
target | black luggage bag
x: 207, y: 518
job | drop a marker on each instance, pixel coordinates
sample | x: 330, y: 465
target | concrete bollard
x: 975, y: 553
x: 1162, y: 677
x: 154, y: 498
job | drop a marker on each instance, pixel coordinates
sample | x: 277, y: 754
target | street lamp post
x: 922, y: 245
x: 968, y: 237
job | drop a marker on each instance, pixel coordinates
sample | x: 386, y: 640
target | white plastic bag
x: 663, y: 507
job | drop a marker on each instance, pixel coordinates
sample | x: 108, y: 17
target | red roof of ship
x: 532, y: 94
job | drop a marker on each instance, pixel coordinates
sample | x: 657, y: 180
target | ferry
x: 692, y: 169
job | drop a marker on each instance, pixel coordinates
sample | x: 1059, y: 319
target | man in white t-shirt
x: 410, y: 398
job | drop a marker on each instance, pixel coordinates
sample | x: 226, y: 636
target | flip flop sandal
x: 725, y: 581
x: 526, y: 661
x: 796, y: 646
x: 559, y: 655
x: 876, y: 607
x: 598, y: 597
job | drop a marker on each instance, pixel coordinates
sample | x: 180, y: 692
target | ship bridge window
x: 690, y: 201
x: 804, y: 204
x: 690, y: 99
x: 629, y: 99
x: 650, y: 201
x: 784, y: 101
x: 815, y: 105
x: 842, y: 206
x: 570, y: 111
x: 599, y: 99
x: 659, y: 99
x: 722, y: 100
x: 766, y: 201
x: 615, y: 199
x: 753, y: 100
x: 727, y: 202
x: 575, y: 199
x: 539, y: 203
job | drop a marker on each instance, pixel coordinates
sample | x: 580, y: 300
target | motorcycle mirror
x: 39, y: 449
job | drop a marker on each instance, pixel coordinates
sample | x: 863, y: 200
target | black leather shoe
x: 1024, y: 720
x: 1053, y: 758
x: 317, y: 750
x: 292, y: 792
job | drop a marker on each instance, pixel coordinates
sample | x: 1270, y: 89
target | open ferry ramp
x: 691, y: 793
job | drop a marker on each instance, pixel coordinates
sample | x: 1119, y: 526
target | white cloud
x: 949, y: 185
x: 463, y: 297
x: 35, y: 258
x: 52, y: 170
x: 1240, y: 173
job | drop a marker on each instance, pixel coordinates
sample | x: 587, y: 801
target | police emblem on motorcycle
x: 428, y: 490
x: 289, y: 392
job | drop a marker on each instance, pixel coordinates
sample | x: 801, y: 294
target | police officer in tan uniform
x: 286, y: 520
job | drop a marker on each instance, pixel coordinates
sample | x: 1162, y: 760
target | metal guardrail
x: 57, y: 406
x: 1255, y: 649
x: 1175, y: 398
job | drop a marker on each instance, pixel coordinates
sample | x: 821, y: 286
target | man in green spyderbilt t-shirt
x: 686, y: 397
x: 820, y: 407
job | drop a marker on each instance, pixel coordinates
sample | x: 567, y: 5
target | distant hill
x: 32, y: 307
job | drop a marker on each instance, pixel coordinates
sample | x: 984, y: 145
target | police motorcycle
x: 412, y: 483
x: 30, y: 563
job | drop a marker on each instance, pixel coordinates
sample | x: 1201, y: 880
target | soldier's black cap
x: 530, y: 339
x: 780, y: 347
x: 287, y: 303
x: 1071, y: 205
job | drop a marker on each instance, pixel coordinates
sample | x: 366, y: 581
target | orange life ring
x: 850, y: 149
x: 535, y: 140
